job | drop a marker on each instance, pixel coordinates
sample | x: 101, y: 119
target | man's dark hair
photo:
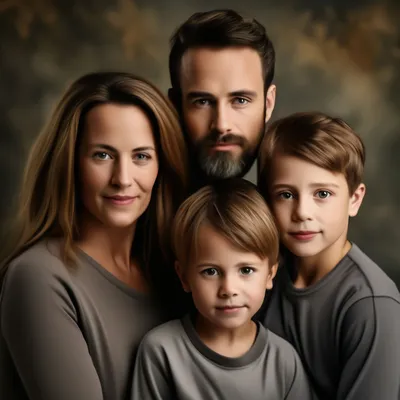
x: 219, y: 29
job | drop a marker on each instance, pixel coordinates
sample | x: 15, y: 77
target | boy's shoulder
x: 164, y: 335
x: 283, y: 351
x: 367, y: 279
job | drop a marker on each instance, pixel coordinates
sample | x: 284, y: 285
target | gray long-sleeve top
x: 68, y: 334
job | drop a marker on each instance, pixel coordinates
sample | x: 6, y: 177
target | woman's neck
x: 111, y: 248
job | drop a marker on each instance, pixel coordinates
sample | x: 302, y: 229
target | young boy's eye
x: 246, y: 270
x: 285, y: 195
x: 323, y: 194
x: 210, y: 272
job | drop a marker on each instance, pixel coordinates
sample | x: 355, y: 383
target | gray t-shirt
x: 174, y: 364
x: 346, y: 329
x: 68, y: 334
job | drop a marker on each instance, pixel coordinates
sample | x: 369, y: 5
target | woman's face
x: 118, y: 164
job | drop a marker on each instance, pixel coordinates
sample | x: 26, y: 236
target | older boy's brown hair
x: 235, y: 209
x: 327, y: 142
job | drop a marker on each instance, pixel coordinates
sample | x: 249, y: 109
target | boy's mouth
x: 303, y: 235
x: 228, y: 309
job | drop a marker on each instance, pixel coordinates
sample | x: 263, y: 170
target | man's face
x: 224, y: 108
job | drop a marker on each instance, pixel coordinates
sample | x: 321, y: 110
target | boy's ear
x: 271, y: 276
x: 270, y: 102
x: 180, y: 272
x: 356, y: 200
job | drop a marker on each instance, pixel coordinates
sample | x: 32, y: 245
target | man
x: 221, y: 68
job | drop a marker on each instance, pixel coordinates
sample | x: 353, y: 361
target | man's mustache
x: 215, y: 139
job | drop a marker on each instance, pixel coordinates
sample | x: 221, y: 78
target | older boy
x: 226, y: 244
x: 334, y: 304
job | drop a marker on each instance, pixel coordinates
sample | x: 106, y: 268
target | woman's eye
x: 101, y: 155
x: 142, y: 157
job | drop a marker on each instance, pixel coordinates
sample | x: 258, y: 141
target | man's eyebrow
x: 196, y: 94
x: 236, y: 93
x: 243, y: 93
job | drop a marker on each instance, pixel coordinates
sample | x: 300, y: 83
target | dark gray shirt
x: 174, y: 364
x: 346, y: 329
x: 68, y: 334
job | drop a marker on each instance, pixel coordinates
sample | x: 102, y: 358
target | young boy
x: 337, y: 307
x: 226, y: 245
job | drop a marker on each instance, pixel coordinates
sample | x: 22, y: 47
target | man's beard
x: 223, y: 164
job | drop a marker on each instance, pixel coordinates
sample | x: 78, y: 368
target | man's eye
x: 202, y: 102
x: 240, y: 100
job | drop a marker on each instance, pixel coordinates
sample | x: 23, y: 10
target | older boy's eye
x: 323, y: 194
x: 209, y: 272
x: 246, y: 270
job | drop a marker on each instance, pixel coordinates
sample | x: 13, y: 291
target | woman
x: 100, y: 189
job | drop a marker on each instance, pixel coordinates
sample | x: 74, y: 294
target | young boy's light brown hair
x: 236, y: 210
x: 330, y: 143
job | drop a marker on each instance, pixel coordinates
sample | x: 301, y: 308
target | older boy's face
x: 312, y: 207
x: 227, y: 284
x: 224, y: 108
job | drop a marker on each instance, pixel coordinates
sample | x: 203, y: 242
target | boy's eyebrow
x: 312, y: 185
x: 238, y: 265
x: 207, y: 264
x: 324, y: 184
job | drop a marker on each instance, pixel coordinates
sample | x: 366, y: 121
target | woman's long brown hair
x: 49, y: 201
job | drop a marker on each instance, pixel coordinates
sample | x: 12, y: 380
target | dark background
x: 341, y: 57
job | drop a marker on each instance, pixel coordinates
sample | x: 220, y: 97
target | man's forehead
x: 221, y: 71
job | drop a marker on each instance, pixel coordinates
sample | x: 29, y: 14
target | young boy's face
x: 227, y: 284
x: 311, y: 205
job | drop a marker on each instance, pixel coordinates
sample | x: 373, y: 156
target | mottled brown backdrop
x: 341, y: 57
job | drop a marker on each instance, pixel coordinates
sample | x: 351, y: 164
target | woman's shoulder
x: 40, y: 260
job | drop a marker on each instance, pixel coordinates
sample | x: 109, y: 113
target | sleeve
x: 150, y: 377
x: 300, y: 387
x: 370, y: 351
x: 39, y: 326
